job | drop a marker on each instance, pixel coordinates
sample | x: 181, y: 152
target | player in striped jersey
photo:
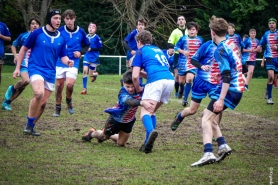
x: 15, y: 90
x: 249, y: 54
x: 270, y: 39
x: 122, y: 117
x: 187, y: 46
x: 228, y: 57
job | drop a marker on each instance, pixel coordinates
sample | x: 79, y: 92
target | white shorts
x: 66, y: 72
x: 47, y: 85
x: 159, y: 91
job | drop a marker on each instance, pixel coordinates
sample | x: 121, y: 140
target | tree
x: 31, y: 8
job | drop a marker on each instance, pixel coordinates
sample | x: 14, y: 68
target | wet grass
x: 60, y: 157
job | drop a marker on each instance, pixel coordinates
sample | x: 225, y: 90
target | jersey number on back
x: 162, y: 59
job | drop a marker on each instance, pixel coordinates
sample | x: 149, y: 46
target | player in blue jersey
x: 47, y: 46
x: 270, y: 39
x: 5, y: 36
x: 176, y: 34
x: 129, y: 42
x: 119, y: 124
x: 207, y: 80
x: 187, y: 46
x: 228, y: 57
x: 249, y: 54
x: 159, y: 85
x: 15, y: 90
x: 75, y: 38
x: 91, y: 58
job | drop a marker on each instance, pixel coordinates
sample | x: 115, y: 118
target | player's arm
x: 5, y: 38
x: 20, y: 57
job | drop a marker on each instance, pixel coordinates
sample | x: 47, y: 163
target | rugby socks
x: 85, y: 79
x: 269, y: 90
x: 179, y: 117
x: 13, y: 89
x: 177, y: 85
x: 147, y: 122
x: 187, y: 90
x: 246, y: 86
x: 221, y: 142
x: 58, y: 106
x: 8, y: 101
x: 30, y: 122
x: 208, y: 147
x: 68, y: 100
x: 154, y: 121
x: 181, y: 88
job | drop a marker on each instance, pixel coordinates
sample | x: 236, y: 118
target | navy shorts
x: 201, y: 89
x: 113, y: 127
x: 251, y: 63
x: 231, y: 100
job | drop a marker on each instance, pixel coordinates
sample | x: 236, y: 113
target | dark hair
x: 69, y: 13
x: 193, y: 24
x: 127, y: 77
x: 143, y: 21
x: 145, y: 37
x: 34, y: 19
x: 232, y: 25
x: 181, y: 16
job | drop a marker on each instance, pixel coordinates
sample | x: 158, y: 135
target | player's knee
x: 70, y: 86
x: 192, y: 111
x: 38, y: 95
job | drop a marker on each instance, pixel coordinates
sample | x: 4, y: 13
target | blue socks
x: 187, y: 90
x: 269, y: 90
x: 208, y: 147
x: 154, y: 121
x: 30, y: 122
x: 85, y: 79
x: 220, y: 141
x: 179, y: 116
x: 8, y: 101
x: 13, y: 89
x: 148, y: 124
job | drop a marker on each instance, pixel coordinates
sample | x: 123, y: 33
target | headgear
x: 272, y: 20
x: 50, y: 14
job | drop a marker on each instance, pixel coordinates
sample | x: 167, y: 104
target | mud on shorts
x: 113, y: 127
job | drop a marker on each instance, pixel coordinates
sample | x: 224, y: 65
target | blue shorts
x: 251, y: 63
x: 201, y: 89
x: 272, y: 64
x: 184, y: 72
x: 231, y: 100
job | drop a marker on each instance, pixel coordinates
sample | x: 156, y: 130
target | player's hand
x: 70, y: 63
x: 15, y: 60
x: 149, y: 106
x: 133, y: 52
x: 185, y: 53
x: 206, y: 68
x: 218, y: 105
x: 262, y: 64
x: 273, y: 47
x: 16, y: 73
x: 77, y: 54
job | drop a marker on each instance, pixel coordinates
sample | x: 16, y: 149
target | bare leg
x: 59, y: 90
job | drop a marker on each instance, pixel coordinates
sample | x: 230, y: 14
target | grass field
x: 60, y: 157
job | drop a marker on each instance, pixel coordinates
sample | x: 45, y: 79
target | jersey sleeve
x: 63, y: 51
x: 130, y: 36
x: 263, y: 40
x: 137, y: 61
x: 18, y: 41
x: 85, y: 39
x: 179, y: 44
x: 6, y: 30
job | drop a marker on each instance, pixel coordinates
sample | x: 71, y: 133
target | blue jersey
x: 4, y: 30
x: 191, y: 45
x: 248, y: 44
x: 170, y: 58
x: 268, y: 39
x: 228, y: 58
x: 131, y: 41
x: 205, y: 56
x: 45, y: 52
x: 74, y: 42
x: 92, y: 55
x: 121, y: 112
x: 236, y: 39
x: 19, y: 42
x: 153, y: 61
